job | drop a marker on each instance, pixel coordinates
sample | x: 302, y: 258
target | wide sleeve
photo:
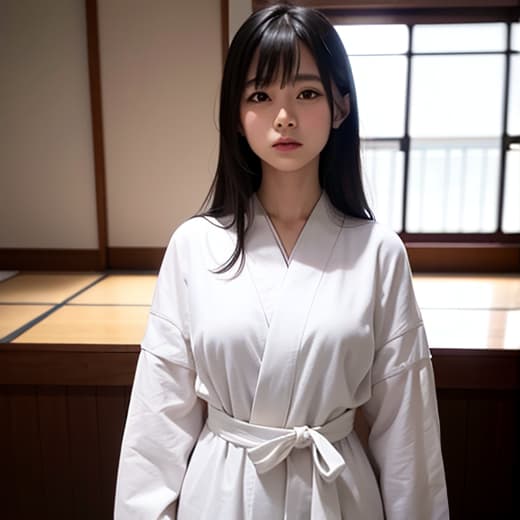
x: 404, y: 434
x: 165, y: 416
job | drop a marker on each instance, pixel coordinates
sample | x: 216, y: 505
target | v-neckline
x: 286, y: 294
x: 287, y: 258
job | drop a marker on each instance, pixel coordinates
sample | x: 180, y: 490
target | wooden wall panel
x: 55, y: 451
x: 453, y: 410
x: 112, y: 408
x: 27, y: 472
x: 7, y: 481
x: 59, y: 448
x: 84, y: 452
x: 489, y: 482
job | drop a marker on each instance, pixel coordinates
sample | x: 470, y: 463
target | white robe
x: 284, y: 342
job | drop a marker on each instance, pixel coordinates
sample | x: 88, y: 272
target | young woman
x: 279, y: 313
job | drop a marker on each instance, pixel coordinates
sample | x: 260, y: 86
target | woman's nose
x: 284, y: 119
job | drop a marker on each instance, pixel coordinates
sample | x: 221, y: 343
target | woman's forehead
x: 303, y: 64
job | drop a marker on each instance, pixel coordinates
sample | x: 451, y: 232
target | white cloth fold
x: 268, y: 446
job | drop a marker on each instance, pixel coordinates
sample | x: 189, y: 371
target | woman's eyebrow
x: 307, y: 77
x: 299, y: 78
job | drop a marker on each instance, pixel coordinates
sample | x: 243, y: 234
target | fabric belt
x: 268, y: 446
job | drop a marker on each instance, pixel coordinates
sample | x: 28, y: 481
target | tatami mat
x: 5, y: 275
x: 472, y: 328
x: 12, y: 317
x: 43, y: 288
x: 458, y: 311
x: 467, y: 292
x: 120, y: 290
x: 90, y: 324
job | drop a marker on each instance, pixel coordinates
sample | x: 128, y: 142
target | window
x: 440, y: 125
x: 476, y: 227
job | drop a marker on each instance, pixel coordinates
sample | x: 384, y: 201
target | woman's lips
x: 286, y: 146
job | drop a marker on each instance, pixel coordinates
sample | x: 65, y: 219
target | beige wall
x: 47, y: 194
x: 160, y: 65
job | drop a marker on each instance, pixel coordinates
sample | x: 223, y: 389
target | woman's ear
x: 341, y: 109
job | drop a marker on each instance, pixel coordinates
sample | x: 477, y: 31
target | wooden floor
x: 94, y: 309
x: 475, y: 312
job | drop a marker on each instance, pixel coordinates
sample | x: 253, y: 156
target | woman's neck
x: 289, y: 197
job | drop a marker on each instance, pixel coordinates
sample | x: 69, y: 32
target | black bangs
x: 278, y: 52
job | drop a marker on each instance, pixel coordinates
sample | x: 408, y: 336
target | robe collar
x: 286, y: 291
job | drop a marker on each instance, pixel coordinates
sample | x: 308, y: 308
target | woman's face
x: 287, y: 127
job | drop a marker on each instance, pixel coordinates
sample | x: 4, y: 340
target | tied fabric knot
x: 303, y: 438
x: 267, y: 446
x: 327, y: 460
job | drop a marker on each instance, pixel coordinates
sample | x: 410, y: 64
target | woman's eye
x: 258, y: 97
x: 308, y: 94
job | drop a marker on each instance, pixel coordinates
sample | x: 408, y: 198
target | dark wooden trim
x: 114, y: 365
x: 140, y: 258
x: 424, y: 257
x: 484, y: 369
x: 463, y: 258
x: 224, y: 15
x: 51, y: 259
x: 395, y: 4
x: 74, y: 348
x: 405, y: 141
x: 505, y: 138
x: 410, y: 11
x: 96, y: 108
x: 455, y: 239
x: 417, y: 16
x: 85, y: 365
x: 433, y: 257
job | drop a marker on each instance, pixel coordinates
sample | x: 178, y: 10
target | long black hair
x: 276, y: 32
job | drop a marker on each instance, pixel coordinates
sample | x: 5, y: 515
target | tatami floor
x: 110, y: 309
x: 75, y: 308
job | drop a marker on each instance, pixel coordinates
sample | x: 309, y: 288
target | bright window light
x: 374, y: 39
x: 452, y: 96
x: 460, y: 37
